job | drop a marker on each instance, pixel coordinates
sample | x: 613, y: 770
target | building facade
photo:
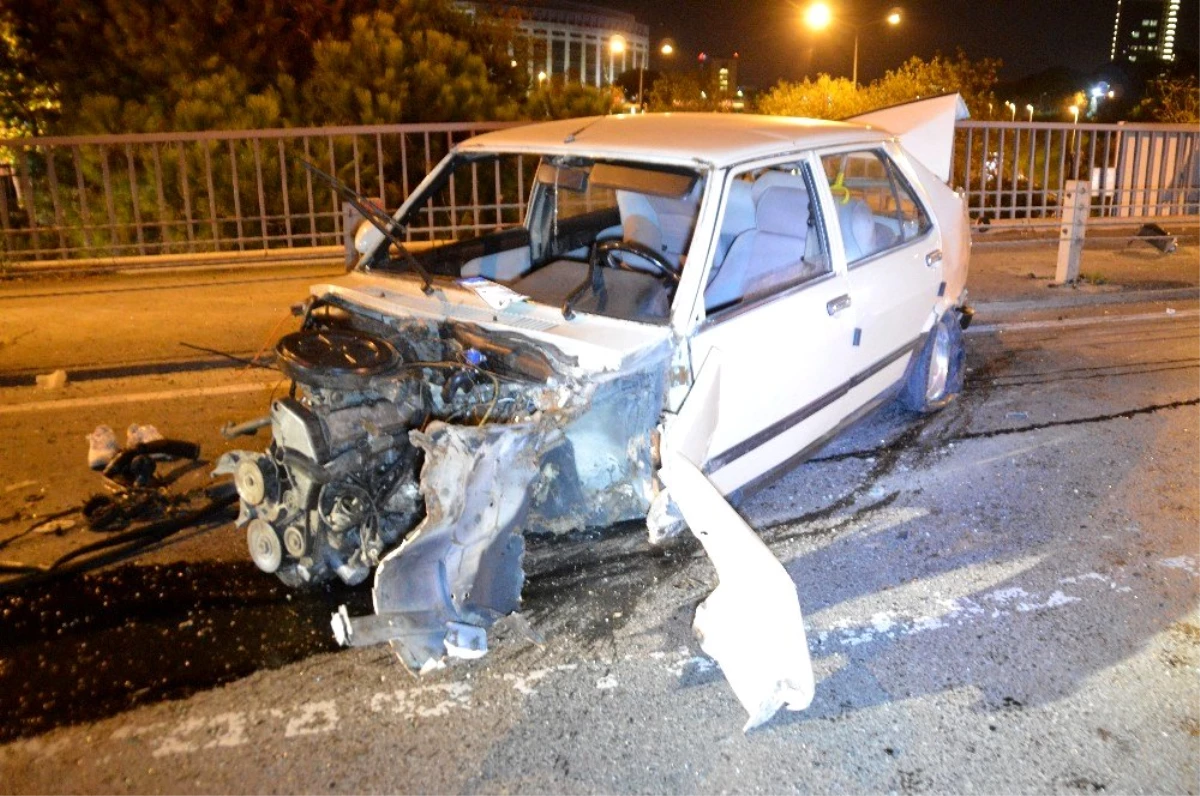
x: 1144, y: 31
x: 579, y: 42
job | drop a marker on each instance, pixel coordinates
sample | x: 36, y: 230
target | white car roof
x: 720, y: 139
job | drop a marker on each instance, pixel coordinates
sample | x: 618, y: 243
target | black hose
x: 119, y: 546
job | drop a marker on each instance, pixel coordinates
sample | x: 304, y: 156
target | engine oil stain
x: 87, y: 648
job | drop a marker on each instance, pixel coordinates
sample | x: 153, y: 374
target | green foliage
x: 1174, y: 100
x: 157, y: 65
x: 558, y: 99
x: 823, y: 98
x: 25, y: 96
x: 682, y: 91
x: 836, y: 98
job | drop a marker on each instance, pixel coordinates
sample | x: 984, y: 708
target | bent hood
x: 925, y: 129
x: 598, y: 343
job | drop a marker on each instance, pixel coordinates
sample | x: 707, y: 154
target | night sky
x: 1028, y: 35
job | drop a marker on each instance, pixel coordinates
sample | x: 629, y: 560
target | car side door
x: 777, y: 312
x: 892, y: 250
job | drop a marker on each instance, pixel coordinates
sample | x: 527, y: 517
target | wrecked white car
x: 611, y: 318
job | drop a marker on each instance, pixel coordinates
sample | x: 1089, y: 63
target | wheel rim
x: 939, y: 364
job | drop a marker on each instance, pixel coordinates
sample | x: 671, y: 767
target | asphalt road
x: 1002, y: 597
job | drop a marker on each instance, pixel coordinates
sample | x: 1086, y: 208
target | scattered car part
x: 246, y: 429
x: 1157, y: 237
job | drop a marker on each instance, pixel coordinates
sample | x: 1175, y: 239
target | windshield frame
x: 697, y: 181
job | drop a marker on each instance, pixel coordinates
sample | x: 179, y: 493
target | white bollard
x: 1076, y: 205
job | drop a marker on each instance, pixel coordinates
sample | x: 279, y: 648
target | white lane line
x: 134, y: 398
x: 1089, y: 321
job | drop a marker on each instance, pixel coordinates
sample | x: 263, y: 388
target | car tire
x: 935, y: 377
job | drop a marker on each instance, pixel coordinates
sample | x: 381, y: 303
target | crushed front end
x: 426, y: 449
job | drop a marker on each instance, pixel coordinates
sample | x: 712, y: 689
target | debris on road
x: 246, y: 429
x: 1157, y: 237
x: 52, y: 381
x: 102, y: 447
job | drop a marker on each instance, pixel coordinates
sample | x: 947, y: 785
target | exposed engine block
x: 337, y: 488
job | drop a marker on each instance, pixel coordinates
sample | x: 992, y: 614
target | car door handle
x: 834, y: 306
x: 933, y: 258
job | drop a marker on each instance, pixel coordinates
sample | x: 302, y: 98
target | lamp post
x: 1030, y: 109
x: 1013, y: 107
x: 819, y: 16
x: 616, y: 46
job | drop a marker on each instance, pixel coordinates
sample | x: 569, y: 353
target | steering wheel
x: 603, y: 251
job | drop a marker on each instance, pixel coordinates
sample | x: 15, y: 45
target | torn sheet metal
x: 751, y: 623
x: 461, y: 569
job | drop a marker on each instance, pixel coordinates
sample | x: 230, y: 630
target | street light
x: 1013, y: 107
x: 616, y: 46
x: 1074, y: 109
x: 819, y: 16
x: 1030, y: 109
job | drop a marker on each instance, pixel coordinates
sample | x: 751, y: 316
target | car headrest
x: 773, y: 179
x: 782, y: 211
x: 856, y: 218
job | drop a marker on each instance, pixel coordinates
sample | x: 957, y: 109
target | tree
x: 836, y: 98
x: 26, y: 97
x: 408, y: 67
x: 680, y: 91
x: 823, y: 98
x: 1173, y: 100
x: 151, y: 65
x: 556, y: 98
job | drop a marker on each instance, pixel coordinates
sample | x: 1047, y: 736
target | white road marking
x: 135, y: 398
x: 406, y: 702
x: 314, y: 718
x: 991, y: 605
x: 523, y: 683
x: 1186, y: 563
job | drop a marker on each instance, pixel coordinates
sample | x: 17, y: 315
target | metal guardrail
x: 1019, y: 170
x: 214, y: 191
x: 238, y: 191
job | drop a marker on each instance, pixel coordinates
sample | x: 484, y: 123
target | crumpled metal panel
x: 463, y: 564
x: 751, y: 623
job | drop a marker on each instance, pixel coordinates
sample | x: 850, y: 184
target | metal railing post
x: 1076, y: 205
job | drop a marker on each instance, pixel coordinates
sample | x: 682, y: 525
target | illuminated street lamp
x: 616, y: 46
x: 1013, y: 107
x: 667, y: 48
x: 1074, y: 109
x: 1030, y: 109
x: 819, y: 16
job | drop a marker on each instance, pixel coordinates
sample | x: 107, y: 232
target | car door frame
x: 739, y: 460
x: 883, y: 353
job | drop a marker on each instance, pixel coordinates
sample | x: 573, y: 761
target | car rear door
x: 892, y: 251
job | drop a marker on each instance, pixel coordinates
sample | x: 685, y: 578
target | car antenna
x: 387, y: 225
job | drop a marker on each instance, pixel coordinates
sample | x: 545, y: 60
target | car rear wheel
x: 936, y: 376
